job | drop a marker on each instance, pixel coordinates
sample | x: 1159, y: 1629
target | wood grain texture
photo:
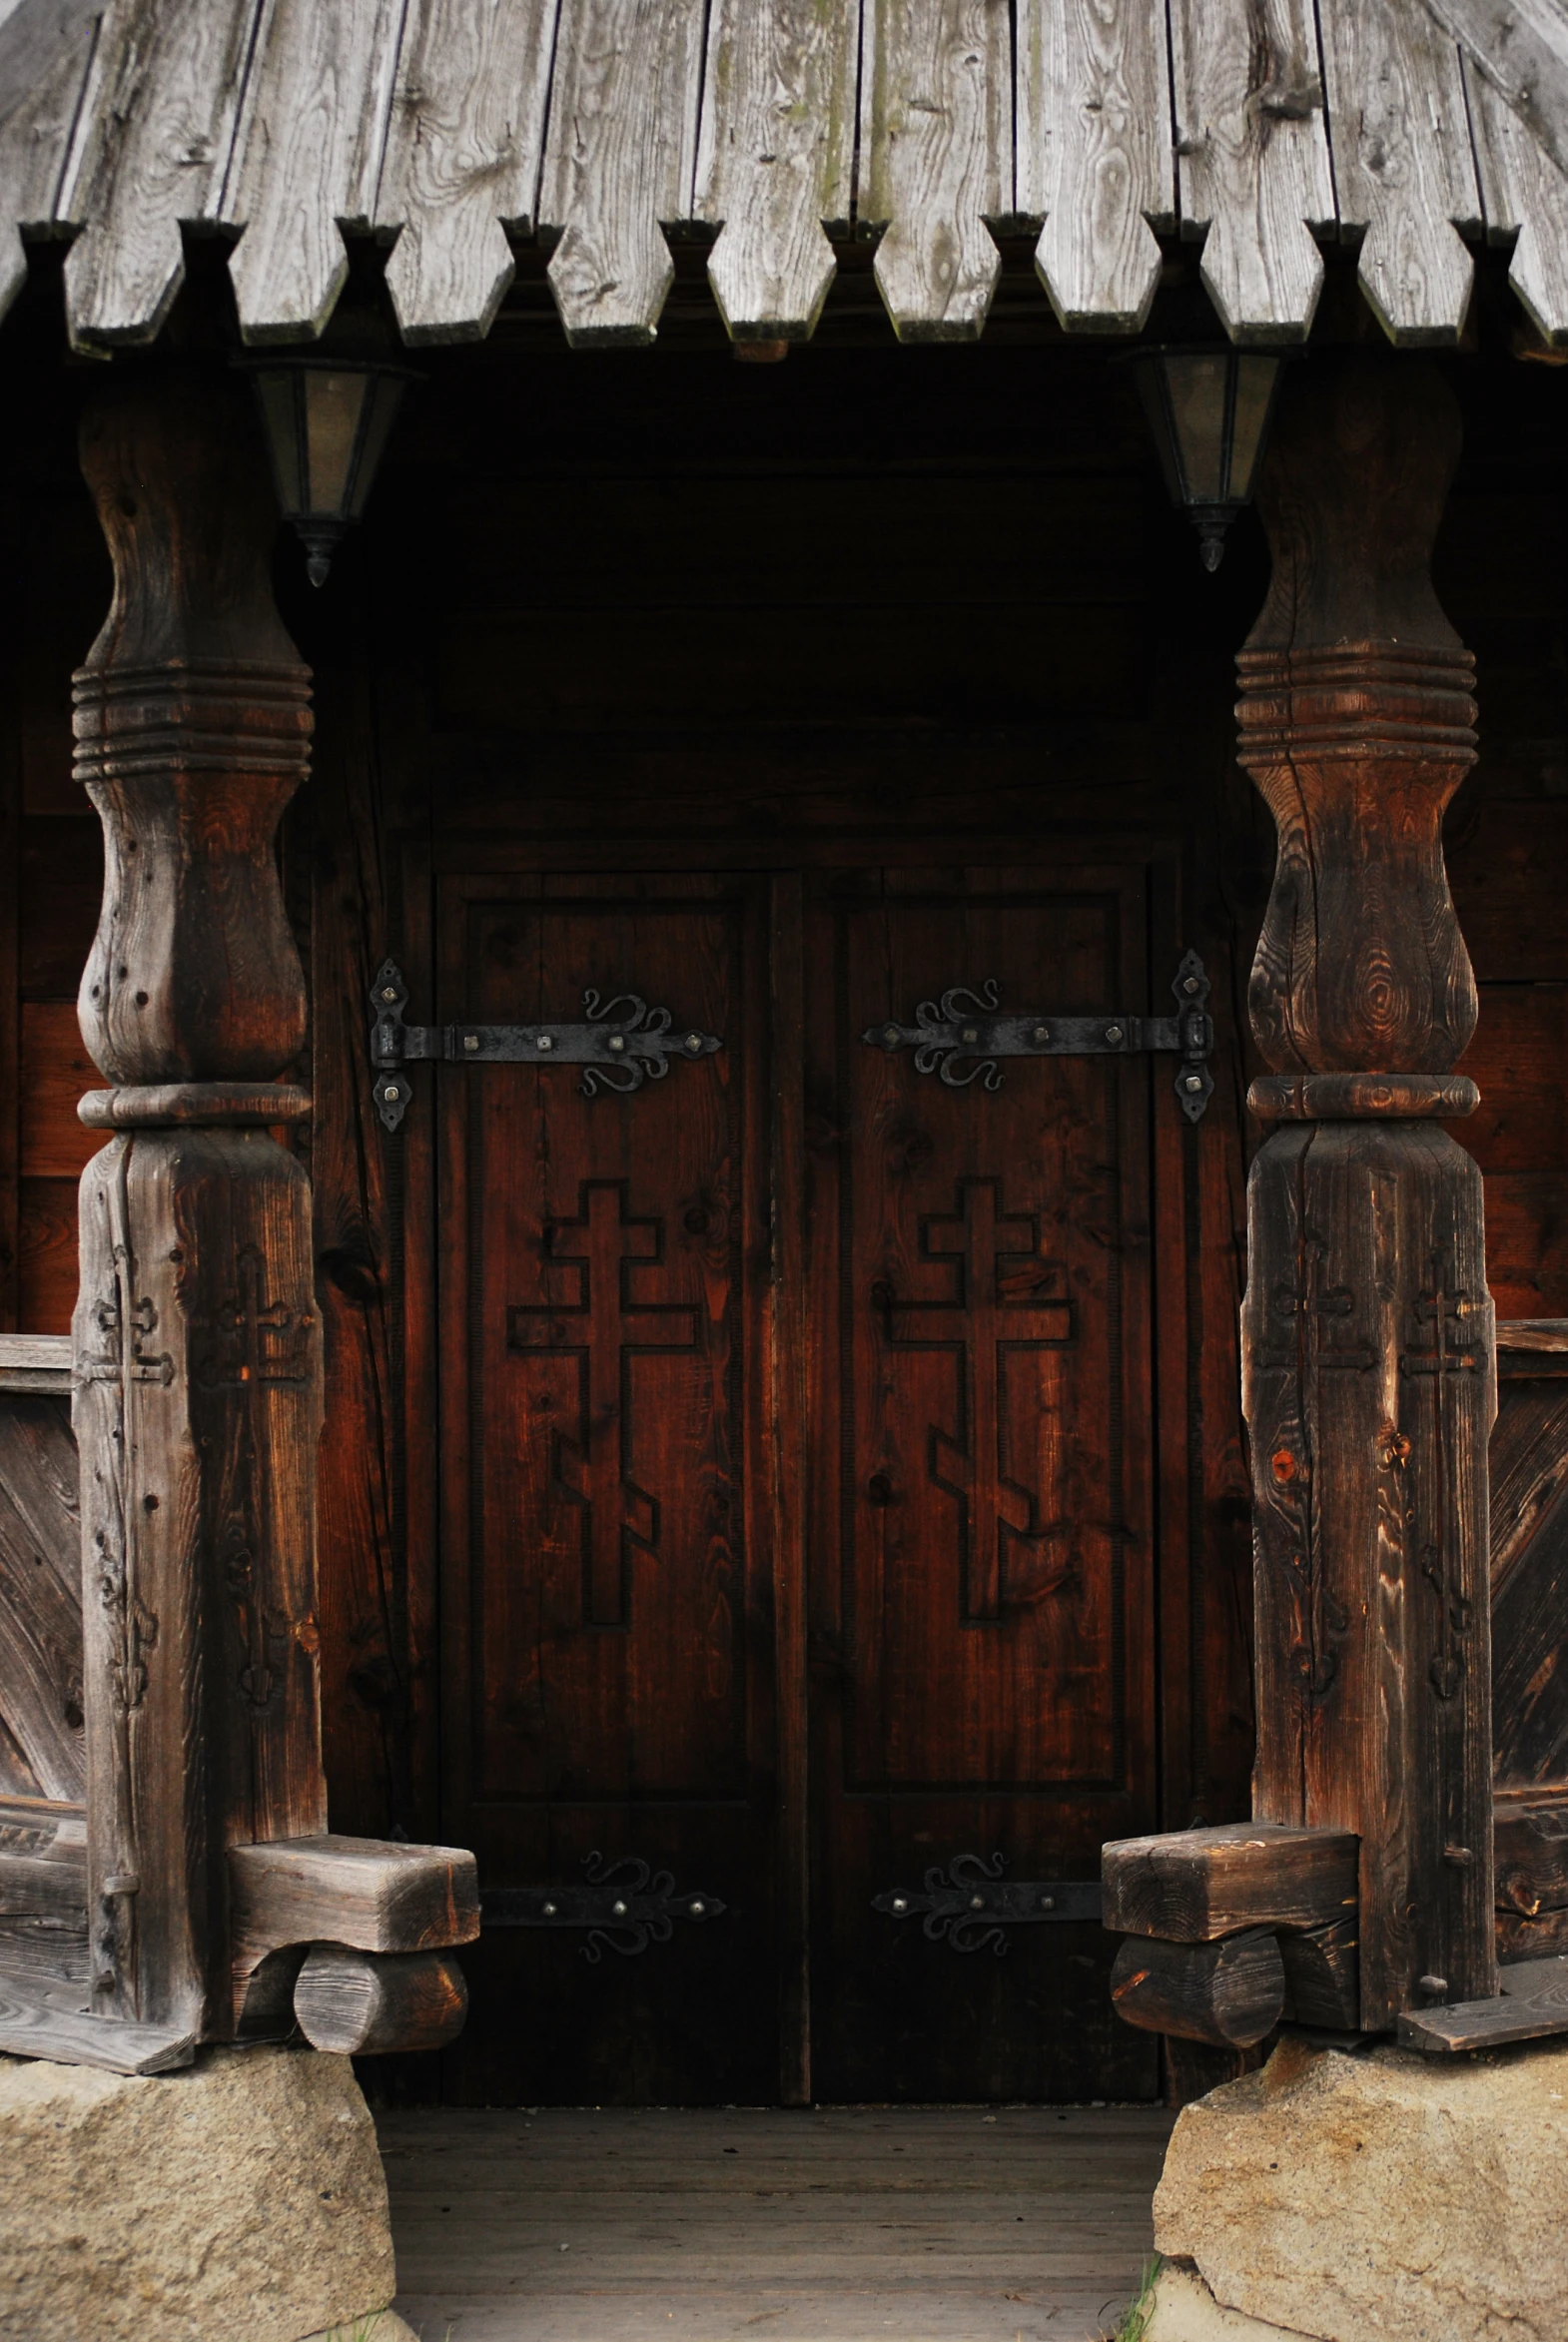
x: 157, y: 125
x: 1518, y: 49
x: 1253, y: 147
x: 1229, y: 1993
x: 306, y: 156
x: 1193, y: 1885
x: 1524, y: 193
x: 1532, y: 2006
x: 619, y: 160
x: 37, y: 1362
x: 1531, y: 1839
x: 42, y: 1864
x: 1095, y: 155
x: 41, y: 1594
x: 463, y: 155
x: 936, y: 159
x: 371, y: 2005
x: 775, y: 162
x: 41, y: 2015
x: 45, y: 55
x: 1324, y: 1975
x: 1530, y: 1585
x: 1403, y: 169
x: 372, y: 1895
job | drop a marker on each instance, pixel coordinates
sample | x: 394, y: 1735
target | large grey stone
x: 241, y: 2201
x: 1389, y: 2197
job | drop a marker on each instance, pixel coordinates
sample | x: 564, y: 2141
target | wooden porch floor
x: 848, y: 2225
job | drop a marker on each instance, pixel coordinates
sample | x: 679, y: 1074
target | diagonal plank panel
x: 775, y: 158
x: 157, y: 124
x: 936, y: 158
x: 46, y: 51
x: 462, y: 160
x: 1403, y: 170
x: 307, y: 154
x: 1524, y: 193
x: 621, y: 159
x: 1095, y: 155
x: 41, y: 1594
x: 1255, y: 158
x: 1521, y: 49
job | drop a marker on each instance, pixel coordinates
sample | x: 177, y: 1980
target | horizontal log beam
x: 372, y: 1895
x: 1195, y: 1886
x: 367, y: 2004
x: 1229, y: 1993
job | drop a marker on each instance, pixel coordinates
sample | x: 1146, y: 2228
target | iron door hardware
x: 968, y: 1906
x: 965, y: 1027
x: 618, y: 1052
x: 625, y: 1904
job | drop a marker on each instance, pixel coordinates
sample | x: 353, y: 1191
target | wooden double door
x: 797, y: 1444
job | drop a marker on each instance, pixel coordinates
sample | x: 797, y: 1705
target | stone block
x: 1386, y: 2195
x: 1184, y: 2310
x: 240, y: 2201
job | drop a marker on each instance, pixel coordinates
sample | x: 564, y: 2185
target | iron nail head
x: 890, y: 1035
x: 391, y: 1093
x: 698, y: 1909
x: 969, y: 1033
x: 550, y: 1911
x: 1113, y: 1032
x: 1048, y: 1902
x: 619, y: 1909
x: 546, y: 1041
x: 977, y: 1903
x: 389, y: 992
x: 1041, y: 1033
x: 694, y: 1041
x: 470, y: 1041
x: 1191, y: 983
x: 617, y: 1040
x: 900, y: 1904
x: 1194, y: 1081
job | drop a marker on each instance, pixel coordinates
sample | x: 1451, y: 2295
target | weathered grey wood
x: 1532, y: 2005
x: 368, y: 2004
x: 39, y: 1363
x: 1253, y: 151
x: 372, y: 1894
x: 1230, y: 1993
x: 1193, y: 1885
x: 463, y: 155
x: 1095, y: 157
x: 1524, y: 193
x: 1324, y: 1975
x: 1403, y: 169
x: 775, y: 158
x: 40, y: 2017
x: 1521, y: 50
x: 619, y: 160
x: 1534, y: 1336
x: 157, y: 117
x: 46, y: 49
x: 307, y: 154
x: 41, y: 1593
x: 43, y: 1861
x: 936, y: 158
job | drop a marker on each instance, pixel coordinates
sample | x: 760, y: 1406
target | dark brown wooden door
x: 797, y: 1457
x: 980, y: 1599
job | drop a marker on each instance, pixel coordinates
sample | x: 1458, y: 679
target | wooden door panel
x: 982, y: 1594
x: 607, y: 1595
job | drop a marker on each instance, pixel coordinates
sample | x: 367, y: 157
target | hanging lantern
x: 327, y: 421
x: 1208, y: 408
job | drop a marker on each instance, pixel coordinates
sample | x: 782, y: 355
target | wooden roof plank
x: 308, y: 154
x: 620, y: 160
x: 464, y: 156
x: 1521, y: 49
x: 1254, y: 161
x: 936, y: 158
x: 1095, y: 155
x: 1403, y: 170
x: 1526, y: 196
x: 46, y: 52
x: 153, y: 143
x: 775, y: 160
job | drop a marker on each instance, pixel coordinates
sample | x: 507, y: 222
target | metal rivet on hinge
x: 698, y: 1909
x: 617, y: 1040
x: 546, y: 1041
x: 1194, y: 1081
x: 1048, y: 1902
x: 694, y: 1041
x: 969, y: 1033
x: 549, y: 1910
x: 1114, y: 1034
x: 900, y: 1904
x: 619, y: 1909
x: 977, y: 1903
x: 391, y: 1093
x: 1041, y: 1033
x: 389, y: 992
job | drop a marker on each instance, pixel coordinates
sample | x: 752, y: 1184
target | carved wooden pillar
x: 1368, y: 1328
x: 198, y: 1356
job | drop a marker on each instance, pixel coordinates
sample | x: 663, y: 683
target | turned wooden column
x: 1368, y: 1329
x: 196, y: 1346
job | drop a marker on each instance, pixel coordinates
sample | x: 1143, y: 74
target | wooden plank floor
x: 844, y: 2224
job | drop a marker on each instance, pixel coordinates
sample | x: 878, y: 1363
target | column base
x: 1336, y: 2196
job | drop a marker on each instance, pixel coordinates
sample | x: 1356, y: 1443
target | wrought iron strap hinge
x: 965, y: 1028
x: 969, y: 1904
x: 624, y: 1906
x: 619, y: 1051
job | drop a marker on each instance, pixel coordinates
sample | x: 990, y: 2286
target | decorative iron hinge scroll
x: 624, y: 1906
x: 619, y: 1052
x: 965, y: 1026
x: 968, y: 1905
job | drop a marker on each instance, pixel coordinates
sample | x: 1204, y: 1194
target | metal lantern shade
x: 1209, y: 409
x: 327, y: 424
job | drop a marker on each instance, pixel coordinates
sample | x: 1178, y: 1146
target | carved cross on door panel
x: 603, y: 1328
x: 997, y: 1307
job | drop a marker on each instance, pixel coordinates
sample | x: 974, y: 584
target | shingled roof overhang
x: 453, y: 129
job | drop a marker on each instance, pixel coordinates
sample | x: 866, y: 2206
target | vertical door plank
x: 620, y: 158
x: 45, y: 56
x: 1403, y: 170
x: 1255, y: 158
x: 775, y: 158
x: 936, y: 159
x: 464, y: 156
x: 1095, y: 155
x: 308, y: 154
x: 1525, y: 196
x: 158, y: 120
